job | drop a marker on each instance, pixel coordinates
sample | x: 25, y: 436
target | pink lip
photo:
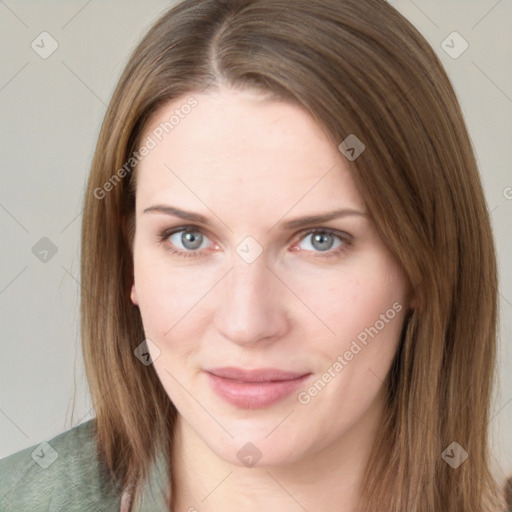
x: 254, y: 389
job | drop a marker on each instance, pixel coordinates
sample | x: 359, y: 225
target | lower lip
x: 254, y: 395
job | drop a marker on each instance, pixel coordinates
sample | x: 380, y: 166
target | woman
x: 288, y: 274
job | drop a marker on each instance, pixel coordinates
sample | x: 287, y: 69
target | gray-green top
x: 63, y: 474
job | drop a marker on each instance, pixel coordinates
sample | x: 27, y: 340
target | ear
x: 133, y: 295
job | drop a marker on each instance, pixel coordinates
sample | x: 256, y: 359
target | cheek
x: 170, y: 299
x: 366, y: 313
x: 364, y: 309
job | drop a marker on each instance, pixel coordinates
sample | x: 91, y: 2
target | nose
x: 251, y: 305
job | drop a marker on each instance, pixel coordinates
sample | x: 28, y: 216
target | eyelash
x: 345, y: 238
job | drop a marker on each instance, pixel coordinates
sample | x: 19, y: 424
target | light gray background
x: 51, y: 110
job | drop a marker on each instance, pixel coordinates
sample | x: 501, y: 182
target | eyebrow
x: 290, y: 224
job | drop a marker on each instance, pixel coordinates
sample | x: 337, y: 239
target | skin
x: 249, y: 165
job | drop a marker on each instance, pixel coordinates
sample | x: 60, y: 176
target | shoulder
x: 60, y: 474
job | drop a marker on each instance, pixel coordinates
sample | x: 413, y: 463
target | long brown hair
x: 358, y: 67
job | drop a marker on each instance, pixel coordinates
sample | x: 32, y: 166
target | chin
x: 260, y: 446
x: 258, y: 455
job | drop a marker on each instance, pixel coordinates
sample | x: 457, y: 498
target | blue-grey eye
x: 321, y: 240
x: 190, y: 239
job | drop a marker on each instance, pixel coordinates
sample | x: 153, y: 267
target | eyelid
x: 345, y: 237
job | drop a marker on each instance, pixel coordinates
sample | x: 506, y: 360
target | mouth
x: 254, y: 389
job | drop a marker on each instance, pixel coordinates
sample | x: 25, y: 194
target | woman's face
x: 236, y: 281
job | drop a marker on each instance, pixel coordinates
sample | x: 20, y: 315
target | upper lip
x: 256, y: 375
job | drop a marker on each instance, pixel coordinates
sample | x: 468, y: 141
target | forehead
x: 243, y: 148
